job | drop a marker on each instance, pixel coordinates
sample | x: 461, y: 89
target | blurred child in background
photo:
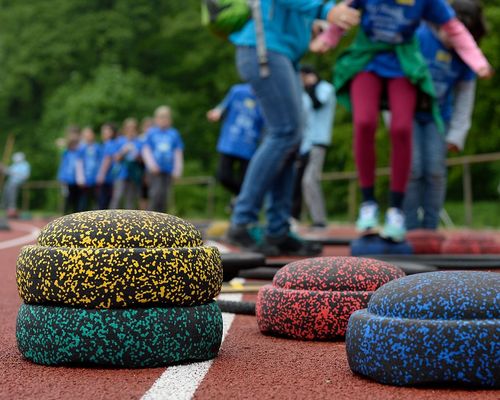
x: 239, y: 136
x: 129, y: 171
x: 87, y: 168
x: 163, y: 154
x: 17, y: 174
x: 67, y: 172
x: 146, y: 124
x: 105, y: 176
x: 384, y: 62
x: 455, y: 85
x: 319, y: 110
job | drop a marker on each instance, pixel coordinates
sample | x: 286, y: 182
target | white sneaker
x: 394, y: 227
x: 368, y: 216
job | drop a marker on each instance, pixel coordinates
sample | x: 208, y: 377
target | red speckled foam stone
x: 313, y: 299
x: 471, y: 243
x: 425, y: 241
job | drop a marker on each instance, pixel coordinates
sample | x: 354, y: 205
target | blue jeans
x: 427, y: 186
x: 271, y: 170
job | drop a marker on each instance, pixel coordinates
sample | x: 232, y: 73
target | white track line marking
x: 26, y: 239
x: 181, y: 382
x: 223, y: 249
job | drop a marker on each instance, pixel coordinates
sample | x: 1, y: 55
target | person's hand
x: 214, y: 115
x: 155, y: 170
x: 453, y: 148
x: 486, y: 72
x: 318, y: 45
x: 319, y: 26
x: 344, y: 16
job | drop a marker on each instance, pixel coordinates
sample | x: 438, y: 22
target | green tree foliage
x: 89, y: 61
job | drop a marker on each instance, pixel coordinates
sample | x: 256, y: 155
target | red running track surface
x: 250, y: 366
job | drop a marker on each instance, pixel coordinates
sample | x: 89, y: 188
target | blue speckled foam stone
x: 440, y: 327
x: 375, y: 245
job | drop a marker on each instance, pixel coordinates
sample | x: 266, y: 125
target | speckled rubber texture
x: 313, y: 299
x: 472, y: 243
x: 441, y: 327
x: 133, y: 338
x: 375, y: 245
x: 119, y: 278
x: 425, y: 241
x: 120, y: 229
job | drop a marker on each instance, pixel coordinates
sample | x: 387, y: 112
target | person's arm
x: 178, y: 163
x: 103, y: 170
x: 80, y: 173
x: 467, y: 48
x: 149, y: 160
x: 461, y: 118
x: 307, y: 5
x: 327, y: 40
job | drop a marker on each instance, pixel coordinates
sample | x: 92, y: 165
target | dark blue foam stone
x: 440, y: 327
x: 375, y: 245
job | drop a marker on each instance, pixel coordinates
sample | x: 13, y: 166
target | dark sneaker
x: 239, y: 235
x: 292, y: 245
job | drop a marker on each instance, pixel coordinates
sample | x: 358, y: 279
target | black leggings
x: 231, y: 172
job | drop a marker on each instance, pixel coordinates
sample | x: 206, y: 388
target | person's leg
x: 118, y: 191
x: 105, y: 192
x: 311, y: 185
x: 155, y: 192
x: 131, y: 194
x: 402, y: 102
x: 435, y: 176
x: 366, y: 91
x: 300, y: 167
x: 84, y: 196
x: 10, y: 195
x: 279, y: 99
x: 414, y: 192
x: 226, y: 174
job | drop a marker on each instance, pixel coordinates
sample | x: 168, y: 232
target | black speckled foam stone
x: 118, y: 277
x: 440, y: 327
x: 133, y: 338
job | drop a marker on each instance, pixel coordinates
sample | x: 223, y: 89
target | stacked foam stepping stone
x: 425, y: 241
x: 440, y: 327
x: 313, y: 299
x: 471, y: 243
x: 375, y: 245
x: 119, y: 288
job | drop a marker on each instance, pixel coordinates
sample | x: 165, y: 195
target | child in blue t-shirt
x: 87, y: 168
x: 67, y: 173
x: 455, y: 85
x: 384, y: 61
x: 127, y: 157
x: 163, y: 154
x: 239, y: 136
x: 105, y: 176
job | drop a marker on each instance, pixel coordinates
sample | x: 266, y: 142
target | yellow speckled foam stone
x: 120, y: 229
x: 119, y: 259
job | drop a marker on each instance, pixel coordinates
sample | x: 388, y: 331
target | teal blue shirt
x: 287, y: 26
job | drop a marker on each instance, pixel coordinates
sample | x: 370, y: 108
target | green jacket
x: 354, y: 60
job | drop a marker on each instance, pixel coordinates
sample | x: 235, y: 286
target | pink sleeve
x: 332, y: 35
x: 465, y: 45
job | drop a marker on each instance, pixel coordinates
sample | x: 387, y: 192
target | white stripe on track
x: 26, y: 239
x: 181, y: 382
x: 222, y: 248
